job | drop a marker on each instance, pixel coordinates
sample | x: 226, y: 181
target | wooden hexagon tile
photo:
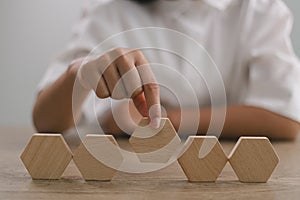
x: 155, y: 145
x: 253, y: 159
x: 98, y: 157
x: 202, y: 158
x: 46, y: 156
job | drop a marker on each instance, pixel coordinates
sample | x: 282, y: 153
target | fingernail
x: 155, y: 122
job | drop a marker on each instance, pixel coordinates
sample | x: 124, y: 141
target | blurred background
x: 33, y: 32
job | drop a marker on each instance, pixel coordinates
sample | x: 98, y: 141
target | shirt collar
x: 176, y: 6
x: 219, y: 4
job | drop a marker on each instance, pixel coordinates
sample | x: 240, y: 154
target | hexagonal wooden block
x: 46, y: 156
x: 98, y: 157
x: 155, y: 145
x: 253, y: 159
x: 202, y: 158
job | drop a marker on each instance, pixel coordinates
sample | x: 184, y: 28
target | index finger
x: 151, y: 90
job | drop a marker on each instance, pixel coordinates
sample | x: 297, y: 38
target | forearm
x: 53, y: 110
x: 244, y: 120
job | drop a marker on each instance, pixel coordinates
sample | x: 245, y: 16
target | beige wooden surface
x: 253, y: 159
x: 38, y: 156
x: 211, y: 163
x: 149, y: 141
x: 89, y: 165
x: 169, y: 183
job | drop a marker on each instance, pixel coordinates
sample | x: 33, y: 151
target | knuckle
x: 152, y: 87
x: 103, y: 61
x: 139, y: 56
x: 104, y: 57
x: 124, y: 61
x: 138, y: 53
x: 118, y: 50
x: 124, y: 58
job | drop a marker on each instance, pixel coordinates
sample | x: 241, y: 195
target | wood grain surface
x: 253, y: 159
x: 168, y: 183
x: 154, y: 145
x: 46, y: 156
x: 203, y: 158
x: 97, y: 168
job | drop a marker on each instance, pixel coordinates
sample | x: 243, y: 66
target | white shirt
x: 249, y: 41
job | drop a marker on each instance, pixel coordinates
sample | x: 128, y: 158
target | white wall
x: 32, y: 33
x: 294, y: 5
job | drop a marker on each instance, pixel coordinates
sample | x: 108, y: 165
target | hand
x: 124, y: 73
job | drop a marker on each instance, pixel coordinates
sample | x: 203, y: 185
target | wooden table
x: 169, y: 183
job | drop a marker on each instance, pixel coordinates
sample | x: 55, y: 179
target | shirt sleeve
x: 273, y: 68
x: 86, y: 34
x: 92, y: 28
